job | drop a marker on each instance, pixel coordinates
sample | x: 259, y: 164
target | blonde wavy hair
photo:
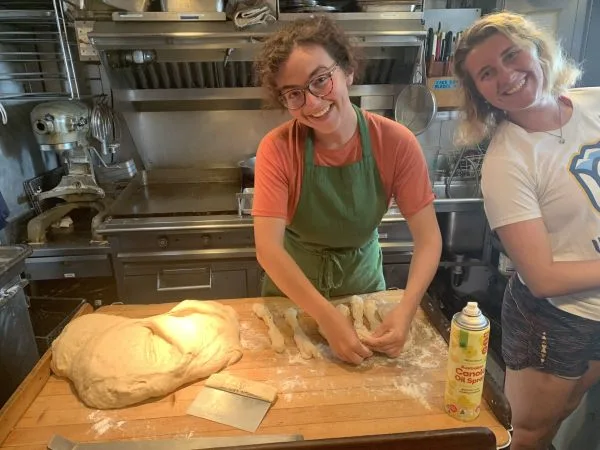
x: 480, y: 119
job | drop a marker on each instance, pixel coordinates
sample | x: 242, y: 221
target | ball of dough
x: 115, y: 361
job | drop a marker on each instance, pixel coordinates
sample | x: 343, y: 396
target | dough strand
x: 357, y: 306
x: 277, y: 339
x: 345, y: 312
x: 307, y: 349
x: 385, y: 308
x: 371, y: 314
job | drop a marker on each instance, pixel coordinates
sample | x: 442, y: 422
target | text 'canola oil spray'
x: 467, y: 355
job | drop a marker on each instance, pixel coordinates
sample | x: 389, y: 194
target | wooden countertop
x: 316, y: 398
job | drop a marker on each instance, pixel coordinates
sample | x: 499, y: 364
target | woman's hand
x: 342, y: 338
x: 391, y: 335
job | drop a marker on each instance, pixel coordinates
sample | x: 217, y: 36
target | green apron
x: 333, y: 236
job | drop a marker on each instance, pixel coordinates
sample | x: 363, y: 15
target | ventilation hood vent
x: 208, y: 65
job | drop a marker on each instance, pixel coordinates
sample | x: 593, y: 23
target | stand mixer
x: 63, y: 127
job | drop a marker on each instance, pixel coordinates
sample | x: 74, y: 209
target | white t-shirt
x: 531, y: 175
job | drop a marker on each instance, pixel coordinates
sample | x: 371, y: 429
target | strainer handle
x: 419, y: 75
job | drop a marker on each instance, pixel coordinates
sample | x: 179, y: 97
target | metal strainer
x: 415, y: 105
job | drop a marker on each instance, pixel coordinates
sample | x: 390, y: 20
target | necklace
x: 561, y: 139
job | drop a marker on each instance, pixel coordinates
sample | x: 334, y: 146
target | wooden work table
x: 318, y: 399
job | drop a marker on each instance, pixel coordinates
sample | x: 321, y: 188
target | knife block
x: 445, y: 90
x: 439, y: 69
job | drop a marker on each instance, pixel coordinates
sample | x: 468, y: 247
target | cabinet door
x: 564, y: 18
x: 396, y: 275
x: 174, y: 281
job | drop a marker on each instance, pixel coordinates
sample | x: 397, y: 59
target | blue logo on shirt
x: 585, y: 168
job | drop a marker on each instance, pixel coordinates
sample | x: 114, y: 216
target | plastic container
x: 49, y: 316
x: 18, y: 352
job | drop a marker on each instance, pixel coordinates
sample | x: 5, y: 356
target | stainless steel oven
x: 177, y: 234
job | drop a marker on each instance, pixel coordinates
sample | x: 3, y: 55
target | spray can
x: 467, y: 356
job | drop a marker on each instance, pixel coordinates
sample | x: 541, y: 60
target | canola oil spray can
x: 467, y: 356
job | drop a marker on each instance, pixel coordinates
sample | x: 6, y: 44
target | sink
x: 457, y: 189
x: 463, y: 230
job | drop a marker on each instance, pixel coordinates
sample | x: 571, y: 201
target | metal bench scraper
x: 233, y: 401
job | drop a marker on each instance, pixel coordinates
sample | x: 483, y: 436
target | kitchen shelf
x: 36, y: 59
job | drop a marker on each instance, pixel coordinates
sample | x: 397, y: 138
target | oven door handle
x: 162, y: 274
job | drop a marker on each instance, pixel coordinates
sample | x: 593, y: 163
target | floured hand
x: 391, y: 335
x: 342, y: 338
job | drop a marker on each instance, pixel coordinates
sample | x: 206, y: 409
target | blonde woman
x: 541, y: 188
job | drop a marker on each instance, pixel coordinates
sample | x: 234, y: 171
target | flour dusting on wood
x: 291, y: 384
x: 296, y: 358
x: 252, y: 338
x: 102, y: 423
x: 408, y: 385
x: 188, y: 435
x: 414, y: 389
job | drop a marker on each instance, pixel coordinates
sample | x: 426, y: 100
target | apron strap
x: 331, y: 272
x: 364, y: 133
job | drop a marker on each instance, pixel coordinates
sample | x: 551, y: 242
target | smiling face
x: 507, y: 75
x: 325, y: 114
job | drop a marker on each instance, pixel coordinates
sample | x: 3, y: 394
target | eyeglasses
x: 319, y: 86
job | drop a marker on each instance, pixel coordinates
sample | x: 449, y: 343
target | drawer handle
x: 160, y: 283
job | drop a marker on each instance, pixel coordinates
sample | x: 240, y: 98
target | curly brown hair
x: 318, y: 30
x: 480, y: 119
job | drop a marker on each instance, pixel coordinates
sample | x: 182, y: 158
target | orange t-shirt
x: 280, y: 166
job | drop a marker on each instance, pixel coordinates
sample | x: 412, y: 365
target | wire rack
x: 36, y: 57
x: 467, y: 167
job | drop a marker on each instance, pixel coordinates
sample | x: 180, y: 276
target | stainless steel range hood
x: 160, y: 66
x: 110, y: 35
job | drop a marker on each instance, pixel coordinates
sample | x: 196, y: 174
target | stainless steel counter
x: 112, y: 226
x: 178, y: 233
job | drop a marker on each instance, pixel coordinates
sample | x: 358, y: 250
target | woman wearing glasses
x: 323, y: 182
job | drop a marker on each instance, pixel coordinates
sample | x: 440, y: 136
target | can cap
x: 472, y: 309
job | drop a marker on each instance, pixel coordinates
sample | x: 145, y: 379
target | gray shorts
x: 537, y: 334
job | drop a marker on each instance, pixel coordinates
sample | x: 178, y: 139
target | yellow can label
x: 467, y: 356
